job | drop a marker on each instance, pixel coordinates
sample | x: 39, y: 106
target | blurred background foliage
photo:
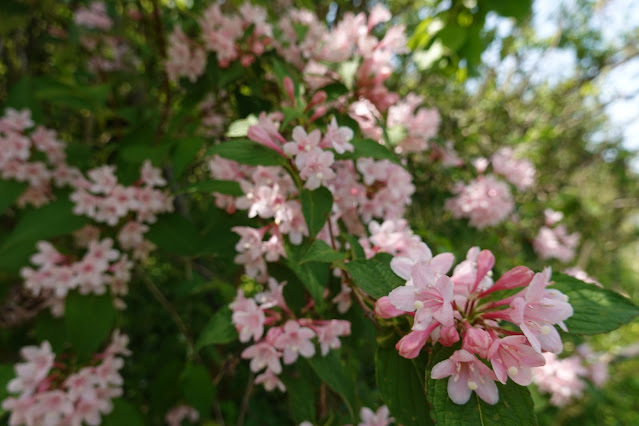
x: 485, y: 82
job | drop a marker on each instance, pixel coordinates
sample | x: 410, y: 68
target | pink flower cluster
x: 184, y: 59
x: 447, y: 309
x: 519, y: 172
x: 95, y: 16
x: 180, y: 412
x: 16, y: 149
x: 50, y: 393
x: 103, y: 199
x: 555, y: 242
x: 286, y: 342
x: 564, y: 378
x: 421, y: 124
x: 486, y: 201
x: 57, y: 274
x: 381, y: 417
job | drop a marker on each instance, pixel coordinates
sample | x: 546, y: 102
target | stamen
x: 472, y: 385
x: 513, y: 371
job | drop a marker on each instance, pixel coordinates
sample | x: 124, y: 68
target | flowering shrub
x: 268, y: 200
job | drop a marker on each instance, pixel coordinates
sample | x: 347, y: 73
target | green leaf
x: 515, y: 405
x: 452, y: 37
x: 316, y: 207
x: 230, y: 74
x: 596, y: 310
x: 401, y: 385
x: 89, y: 319
x: 175, y: 234
x: 10, y: 190
x: 124, y: 414
x: 46, y: 222
x: 228, y: 187
x: 184, y: 153
x: 219, y: 330
x: 331, y: 371
x: 356, y: 249
x: 322, y: 252
x: 198, y: 388
x: 301, y: 398
x: 246, y: 151
x: 375, y: 275
x: 335, y: 90
x: 7, y: 374
x: 517, y: 9
x: 370, y: 149
x: 313, y: 275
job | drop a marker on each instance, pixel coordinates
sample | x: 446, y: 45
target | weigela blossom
x: 486, y: 201
x: 381, y: 417
x: 177, y: 414
x: 556, y: 243
x: 47, y: 397
x: 448, y: 309
x: 519, y: 172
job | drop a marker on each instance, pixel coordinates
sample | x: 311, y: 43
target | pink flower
x: 556, y: 243
x: 295, y: 341
x: 343, y: 299
x: 430, y: 298
x: 270, y: 381
x: 512, y: 356
x: 378, y: 418
x: 315, y: 167
x: 328, y: 334
x: 467, y: 374
x: 262, y: 355
x: 302, y: 143
x: 151, y: 176
x: 519, y: 172
x: 535, y: 310
x: 248, y: 320
x: 338, y: 138
x: 177, y: 414
x: 486, y: 201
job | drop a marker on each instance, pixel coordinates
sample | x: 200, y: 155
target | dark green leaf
x: 313, y: 275
x: 246, y: 151
x: 596, y: 310
x: 7, y: 374
x: 316, y: 207
x: 230, y: 74
x: 228, y: 187
x: 10, y: 190
x: 374, y: 276
x: 53, y: 330
x: 49, y: 221
x: 322, y: 252
x: 174, y: 233
x: 335, y: 90
x: 89, y: 319
x: 331, y: 371
x: 401, y: 385
x: 198, y: 389
x: 515, y: 406
x: 301, y: 398
x: 184, y: 153
x: 124, y: 414
x: 517, y: 9
x: 452, y: 37
x: 218, y: 330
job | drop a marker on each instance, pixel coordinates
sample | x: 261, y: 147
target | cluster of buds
x: 462, y: 306
x: 287, y: 338
x: 50, y: 393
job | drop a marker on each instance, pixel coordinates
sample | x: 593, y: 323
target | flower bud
x: 477, y: 341
x: 448, y: 336
x: 519, y: 276
x: 385, y: 309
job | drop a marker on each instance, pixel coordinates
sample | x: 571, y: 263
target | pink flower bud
x: 410, y: 345
x: 289, y: 86
x: 448, y: 336
x: 519, y: 276
x: 385, y: 309
x: 318, y: 98
x: 477, y: 341
x: 485, y: 262
x: 319, y: 112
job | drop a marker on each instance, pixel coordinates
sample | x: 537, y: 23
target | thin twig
x: 159, y: 296
x: 245, y: 400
